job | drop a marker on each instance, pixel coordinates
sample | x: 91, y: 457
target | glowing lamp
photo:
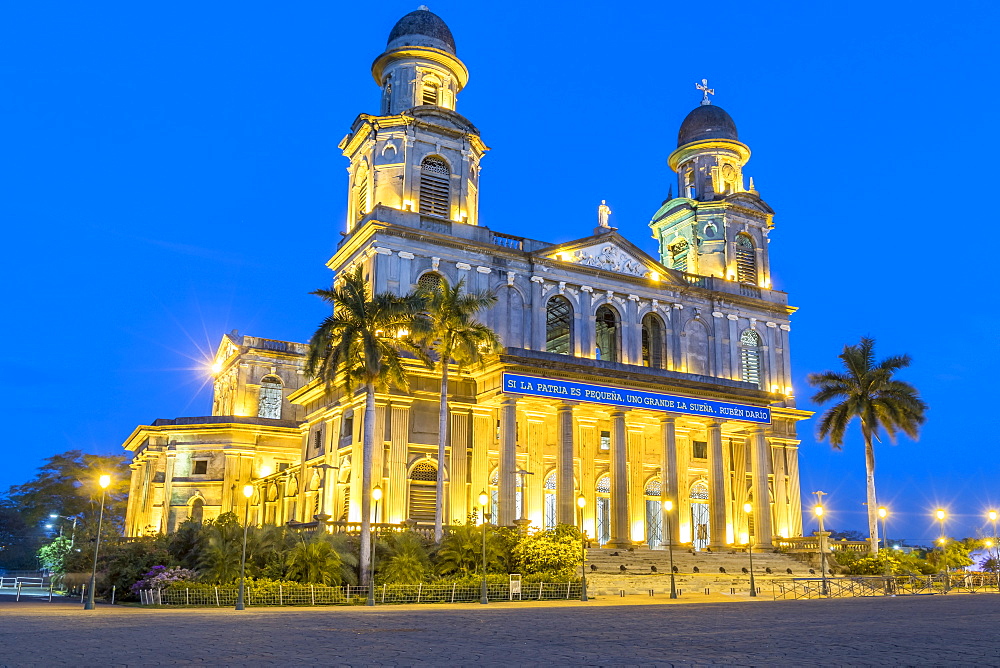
x: 104, y: 481
x: 377, y: 493
x: 248, y: 491
x: 940, y: 514
x: 818, y: 511
x: 988, y: 543
x: 216, y: 367
x: 581, y: 501
x: 882, y: 512
x: 483, y: 498
x: 747, y: 507
x: 992, y: 515
x: 668, y: 505
x: 265, y: 471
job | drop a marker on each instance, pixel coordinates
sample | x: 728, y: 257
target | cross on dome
x: 703, y: 87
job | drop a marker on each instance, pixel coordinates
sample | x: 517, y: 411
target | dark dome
x: 707, y: 122
x: 421, y: 28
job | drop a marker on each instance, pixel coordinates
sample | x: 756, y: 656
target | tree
x: 315, y: 561
x: 448, y: 327
x: 408, y: 562
x: 461, y: 550
x: 67, y: 484
x: 867, y: 390
x: 361, y: 343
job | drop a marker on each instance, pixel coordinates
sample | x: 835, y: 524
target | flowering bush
x: 160, y: 577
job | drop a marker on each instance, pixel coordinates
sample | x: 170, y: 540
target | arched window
x: 361, y: 190
x: 603, y: 489
x: 654, y: 513
x: 559, y: 326
x: 699, y: 491
x: 429, y: 93
x: 746, y: 260
x: 652, y: 341
x: 606, y: 334
x: 386, y: 98
x: 689, y: 188
x: 269, y: 401
x: 750, y: 357
x: 679, y: 255
x: 429, y: 281
x: 435, y: 187
x: 700, y: 518
x: 423, y: 492
x: 550, y: 500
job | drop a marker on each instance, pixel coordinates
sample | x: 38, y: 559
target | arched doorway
x: 603, y: 492
x: 654, y: 513
x: 197, y: 510
x: 550, y: 500
x: 423, y: 493
x: 700, y: 526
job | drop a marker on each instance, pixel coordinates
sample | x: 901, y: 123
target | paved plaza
x: 915, y: 630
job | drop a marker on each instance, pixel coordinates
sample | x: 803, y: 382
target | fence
x: 897, y: 585
x: 280, y: 595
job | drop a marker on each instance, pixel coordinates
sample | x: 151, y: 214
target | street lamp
x: 668, y: 507
x: 818, y: 510
x: 72, y: 539
x: 883, y: 513
x: 941, y: 516
x: 992, y: 516
x: 581, y: 502
x: 376, y: 497
x: 484, y: 499
x: 247, y: 492
x: 748, y: 508
x: 103, y: 481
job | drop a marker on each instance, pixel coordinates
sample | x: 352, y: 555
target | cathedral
x: 625, y: 379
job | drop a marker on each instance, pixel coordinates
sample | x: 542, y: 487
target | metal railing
x: 896, y: 585
x: 291, y: 594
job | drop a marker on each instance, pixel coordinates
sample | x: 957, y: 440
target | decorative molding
x: 383, y: 251
x: 732, y: 316
x: 510, y: 278
x: 787, y: 328
x: 609, y: 257
x: 406, y: 255
x: 716, y: 314
x: 435, y: 262
x: 678, y: 306
x: 484, y: 270
x: 464, y: 266
x: 586, y: 288
x: 537, y: 279
x: 633, y: 298
x: 562, y: 287
x: 771, y: 324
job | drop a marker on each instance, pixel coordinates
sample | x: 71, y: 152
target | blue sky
x: 170, y: 171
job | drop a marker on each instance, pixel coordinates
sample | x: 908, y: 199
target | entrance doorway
x: 604, y: 509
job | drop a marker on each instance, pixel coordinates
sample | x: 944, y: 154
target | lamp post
x: 818, y: 511
x: 883, y: 513
x: 72, y: 539
x: 668, y: 507
x: 376, y: 497
x: 581, y: 502
x: 748, y: 508
x: 484, y: 499
x: 322, y: 516
x: 103, y: 481
x: 247, y: 493
x: 941, y: 516
x: 992, y: 516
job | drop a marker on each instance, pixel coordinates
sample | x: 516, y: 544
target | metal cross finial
x: 703, y: 87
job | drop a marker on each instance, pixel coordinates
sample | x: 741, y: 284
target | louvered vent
x: 435, y: 191
x: 746, y: 260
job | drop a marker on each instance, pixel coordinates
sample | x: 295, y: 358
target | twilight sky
x: 170, y: 172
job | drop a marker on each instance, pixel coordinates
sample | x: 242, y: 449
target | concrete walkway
x: 915, y: 630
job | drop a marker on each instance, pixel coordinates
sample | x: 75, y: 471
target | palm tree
x: 315, y: 561
x: 408, y: 561
x: 868, y: 391
x: 447, y: 326
x: 361, y: 343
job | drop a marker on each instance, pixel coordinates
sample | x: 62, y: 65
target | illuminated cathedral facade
x: 626, y: 378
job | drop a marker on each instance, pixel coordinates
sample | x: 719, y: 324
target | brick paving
x: 916, y: 630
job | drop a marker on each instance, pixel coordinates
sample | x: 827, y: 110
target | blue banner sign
x: 603, y: 394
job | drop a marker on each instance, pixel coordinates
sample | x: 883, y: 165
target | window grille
x: 429, y: 281
x: 558, y: 326
x: 746, y: 260
x: 699, y: 491
x: 269, y: 400
x: 653, y: 487
x: 606, y: 334
x: 435, y: 187
x: 424, y: 472
x: 318, y: 440
x: 678, y: 255
x: 750, y: 357
x: 604, y: 484
x: 550, y: 481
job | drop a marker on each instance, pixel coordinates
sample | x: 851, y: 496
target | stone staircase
x: 697, y: 572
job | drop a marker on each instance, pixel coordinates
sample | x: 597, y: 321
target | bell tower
x: 418, y: 154
x: 716, y: 226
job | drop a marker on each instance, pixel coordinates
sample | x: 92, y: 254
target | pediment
x: 609, y: 252
x: 751, y: 201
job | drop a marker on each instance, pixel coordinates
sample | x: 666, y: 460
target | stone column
x: 378, y: 451
x: 583, y: 333
x: 719, y: 505
x: 537, y: 322
x: 761, y: 496
x: 533, y: 496
x: 780, y: 490
x: 565, y: 492
x: 133, y: 493
x: 458, y: 469
x: 357, y: 451
x: 669, y: 478
x: 794, y: 491
x: 587, y: 438
x: 506, y: 502
x: 399, y: 433
x: 619, y: 482
x: 483, y: 438
x: 168, y: 492
x: 637, y: 529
